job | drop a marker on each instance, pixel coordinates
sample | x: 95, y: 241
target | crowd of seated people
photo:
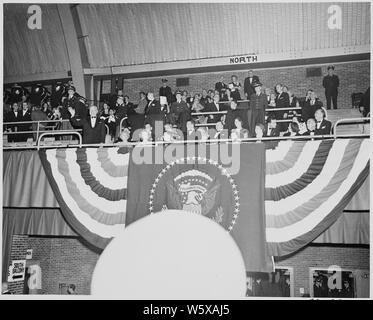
x: 216, y: 109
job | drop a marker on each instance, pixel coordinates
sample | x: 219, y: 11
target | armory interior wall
x: 354, y: 77
x: 69, y: 260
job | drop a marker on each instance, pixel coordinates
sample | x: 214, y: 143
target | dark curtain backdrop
x: 24, y: 181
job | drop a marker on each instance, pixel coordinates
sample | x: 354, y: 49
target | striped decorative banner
x: 307, y: 186
x: 90, y: 185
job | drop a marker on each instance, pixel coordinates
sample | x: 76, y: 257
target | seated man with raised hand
x: 310, y: 105
x: 94, y: 130
x: 323, y: 126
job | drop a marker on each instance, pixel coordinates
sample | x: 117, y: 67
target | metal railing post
x: 59, y: 133
x: 37, y: 131
x: 348, y: 120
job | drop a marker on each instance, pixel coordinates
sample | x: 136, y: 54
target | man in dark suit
x: 331, y: 84
x: 129, y: 105
x: 310, y: 106
x: 179, y: 112
x: 94, y: 130
x: 364, y: 105
x: 191, y: 133
x: 232, y: 114
x: 13, y: 116
x: 258, y: 105
x: 248, y: 84
x: 113, y: 98
x: 282, y: 101
x: 323, y: 126
x: 154, y: 111
x: 215, y: 106
x: 153, y: 106
x: 25, y: 115
x: 221, y: 87
x: 165, y: 91
x: 271, y: 129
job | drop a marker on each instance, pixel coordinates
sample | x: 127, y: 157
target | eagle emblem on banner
x: 193, y: 191
x: 211, y: 193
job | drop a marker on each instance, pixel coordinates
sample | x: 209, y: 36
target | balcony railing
x: 39, y: 143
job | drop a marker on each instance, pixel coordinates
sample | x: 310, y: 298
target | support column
x: 72, y: 46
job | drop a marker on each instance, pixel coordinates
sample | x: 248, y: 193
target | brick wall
x: 62, y: 260
x: 18, y: 252
x: 347, y: 257
x: 69, y: 260
x: 354, y: 77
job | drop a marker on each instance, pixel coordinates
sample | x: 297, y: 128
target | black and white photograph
x: 186, y: 151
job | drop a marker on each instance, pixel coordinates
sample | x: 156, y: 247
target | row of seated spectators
x: 233, y: 130
x: 232, y: 124
x: 173, y: 109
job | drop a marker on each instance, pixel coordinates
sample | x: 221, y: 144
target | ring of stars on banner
x: 223, y: 171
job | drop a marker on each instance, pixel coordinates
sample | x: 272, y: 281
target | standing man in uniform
x: 331, y: 84
x: 165, y: 91
x: 248, y: 85
x: 257, y: 109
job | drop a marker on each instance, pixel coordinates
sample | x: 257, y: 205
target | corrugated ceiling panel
x: 29, y: 51
x: 127, y: 34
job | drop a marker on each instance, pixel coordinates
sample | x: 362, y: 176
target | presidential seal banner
x: 90, y: 185
x: 273, y: 202
x: 203, y: 180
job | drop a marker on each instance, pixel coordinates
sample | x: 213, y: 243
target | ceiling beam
x: 72, y: 45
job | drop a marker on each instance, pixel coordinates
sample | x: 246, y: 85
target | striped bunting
x: 305, y: 198
x: 307, y: 185
x: 90, y: 185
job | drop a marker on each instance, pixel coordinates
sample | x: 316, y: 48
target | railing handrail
x: 349, y: 120
x: 214, y: 123
x: 238, y: 101
x: 35, y: 121
x: 59, y: 133
x: 225, y: 111
x: 36, y: 131
x: 281, y: 109
x: 80, y: 145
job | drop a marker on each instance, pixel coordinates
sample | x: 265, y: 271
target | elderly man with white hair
x: 93, y: 128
